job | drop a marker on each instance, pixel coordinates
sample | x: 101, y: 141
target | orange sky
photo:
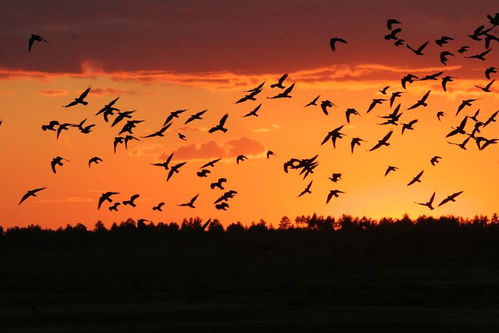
x: 32, y: 95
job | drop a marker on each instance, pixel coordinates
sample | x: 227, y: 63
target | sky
x: 161, y: 56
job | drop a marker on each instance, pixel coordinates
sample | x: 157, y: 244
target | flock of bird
x: 468, y: 128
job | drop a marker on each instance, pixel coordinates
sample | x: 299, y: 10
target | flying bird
x: 335, y: 177
x: 131, y: 201
x: 95, y: 159
x: 269, y: 153
x: 240, y: 158
x: 182, y: 136
x: 383, y: 141
x: 440, y: 114
x: 375, y: 102
x: 435, y: 160
x: 31, y: 193
x: 220, y: 126
x: 446, y: 79
x: 80, y: 99
x: 285, y: 93
x: 428, y: 204
x: 121, y: 115
x: 451, y: 197
x: 35, y: 38
x: 307, y: 189
x: 333, y: 135
x: 464, y: 103
x: 444, y: 56
x: 489, y: 71
x: 108, y: 110
x: 409, y: 78
x: 203, y: 173
x: 393, y: 34
x: 114, y: 206
x: 480, y: 56
x: 280, y: 82
x: 161, y: 132
x: 210, y: 163
x: 174, y: 169
x: 443, y: 40
x: 326, y: 104
x: 391, y: 22
x: 459, y: 129
x: 333, y: 193
x: 173, y: 114
x: 253, y: 112
x: 159, y: 207
x: 333, y: 41
x: 416, y: 179
x: 355, y: 142
x: 350, y: 112
x: 421, y: 102
x: 395, y: 94
x: 249, y: 97
x: 409, y: 125
x: 463, y: 49
x: 313, y: 102
x: 58, y: 160
x: 195, y: 116
x: 390, y: 169
x: 106, y: 197
x: 165, y: 164
x: 487, y: 87
x: 419, y: 50
x: 191, y: 202
x: 219, y: 183
x: 50, y: 126
x: 384, y: 90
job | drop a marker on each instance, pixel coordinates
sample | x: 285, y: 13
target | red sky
x: 159, y: 56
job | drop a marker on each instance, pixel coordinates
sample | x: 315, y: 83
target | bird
x: 240, y: 158
x: 191, y: 202
x: 50, y: 126
x: 333, y: 193
x: 226, y: 196
x: 474, y: 117
x: 114, y: 206
x: 489, y: 38
x: 159, y: 207
x: 165, y: 164
x: 64, y: 127
x: 443, y: 40
x: 80, y: 99
x: 203, y: 173
x: 85, y: 129
x: 129, y: 126
x: 326, y: 104
x: 313, y: 102
x: 464, y: 103
x: 433, y: 76
x: 494, y: 20
x: 160, y: 132
x: 480, y: 56
x: 182, y: 136
x: 416, y: 179
x: 307, y: 189
x: 280, y: 82
x: 487, y: 87
x: 285, y: 93
x: 451, y: 197
x: 210, y: 163
x: 354, y: 142
x: 269, y: 153
x: 393, y: 117
x: 459, y: 129
x: 31, y: 193
x: 393, y: 34
x: 440, y: 114
x: 334, y: 40
x: 444, y: 56
x: 333, y: 135
x: 35, y: 38
x: 335, y: 177
x: 491, y: 119
x: 95, y: 159
x: 479, y: 32
x: 222, y: 206
x: 219, y: 183
x: 463, y: 49
x: 390, y: 169
x: 121, y: 115
x: 435, y: 159
x: 391, y: 22
x: 249, y: 97
x: 58, y: 160
x: 395, y: 94
x: 108, y: 110
x: 131, y: 201
x: 174, y: 169
x: 349, y: 112
x: 253, y: 112
x: 220, y: 126
x: 408, y: 126
x: 195, y: 116
x: 461, y: 145
x: 489, y: 71
x: 446, y: 79
x: 421, y: 102
x: 382, y: 142
x: 173, y: 114
x: 375, y: 102
x: 428, y: 204
x: 384, y: 90
x: 409, y: 78
x: 106, y: 196
x: 399, y: 42
x: 257, y: 88
x: 419, y: 50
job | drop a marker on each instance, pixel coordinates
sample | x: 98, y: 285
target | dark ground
x: 254, y: 282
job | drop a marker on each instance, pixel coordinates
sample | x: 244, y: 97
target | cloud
x: 211, y: 149
x: 145, y: 150
x: 52, y: 92
x: 111, y: 91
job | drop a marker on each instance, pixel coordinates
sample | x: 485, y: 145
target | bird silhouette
x: 257, y: 88
x: 393, y: 34
x: 108, y: 110
x: 121, y: 115
x: 249, y: 97
x: 182, y: 136
x: 64, y: 127
x: 191, y: 202
x: 50, y: 126
x: 494, y: 20
x: 444, y: 56
x: 333, y: 41
x: 221, y: 124
x: 383, y: 141
x: 492, y: 119
x: 489, y: 38
x: 85, y: 129
x: 222, y: 206
x: 159, y: 207
x: 375, y: 102
x: 393, y: 117
x: 419, y: 50
x: 106, y: 196
x: 333, y: 193
x: 95, y: 159
x: 395, y: 94
x: 443, y: 40
x: 464, y: 103
x: 131, y: 201
x: 478, y: 32
x: 279, y: 84
x: 57, y: 161
x: 31, y: 193
x: 269, y: 153
x: 445, y: 80
x: 165, y: 164
x: 459, y: 129
x: 487, y: 87
x: 480, y: 56
x: 433, y: 76
x: 307, y: 189
x: 349, y: 112
x: 355, y: 142
x: 463, y: 49
x: 240, y: 158
x: 384, y: 90
x: 421, y: 102
x: 399, y: 42
x: 203, y: 173
x: 253, y: 112
x: 129, y: 126
x: 335, y: 177
x: 161, y: 132
x: 391, y: 22
x: 451, y: 197
x: 35, y: 38
x: 435, y: 160
x: 313, y: 102
x: 174, y: 169
x: 285, y: 93
x: 226, y: 196
x: 195, y: 116
x: 333, y: 135
x: 390, y: 169
x: 80, y: 99
x: 409, y: 78
x: 114, y: 207
x: 326, y: 104
x: 428, y: 204
x: 210, y: 163
x: 416, y: 179
x: 490, y: 70
x: 461, y: 145
x: 173, y: 114
x: 219, y: 183
x: 409, y: 125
